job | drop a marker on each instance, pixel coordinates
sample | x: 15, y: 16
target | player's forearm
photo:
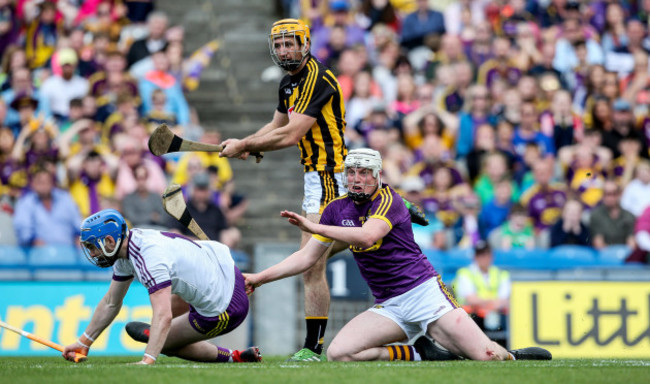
x: 104, y: 314
x: 358, y: 237
x: 160, y: 325
x: 263, y: 131
x: 271, y: 141
x: 291, y: 266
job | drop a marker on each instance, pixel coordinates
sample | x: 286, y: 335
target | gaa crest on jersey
x: 347, y: 223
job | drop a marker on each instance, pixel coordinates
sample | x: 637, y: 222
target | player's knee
x: 489, y: 354
x: 337, y: 354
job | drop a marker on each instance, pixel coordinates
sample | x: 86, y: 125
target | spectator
x: 160, y: 78
x: 157, y: 25
x: 544, y: 200
x: 132, y: 155
x: 585, y: 175
x: 112, y: 81
x: 93, y: 183
x: 342, y: 18
x: 433, y: 157
x: 373, y: 12
x: 365, y: 95
x: 143, y: 208
x: 622, y: 124
x: 573, y: 33
x: 570, y: 229
x: 636, y: 195
x: 495, y: 169
x: 41, y: 35
x: 484, y: 290
x: 422, y: 24
x: 516, y: 233
x: 433, y: 235
x: 528, y: 132
x: 631, y: 149
x: 501, y: 66
x: 609, y: 223
x: 21, y: 85
x: 59, y: 90
x: 642, y: 239
x: 479, y: 50
x: 495, y: 212
x: 476, y: 112
x: 191, y: 163
x: 9, y: 25
x: 461, y: 17
x: 46, y: 215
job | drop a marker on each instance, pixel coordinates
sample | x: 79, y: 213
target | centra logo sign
x: 582, y: 319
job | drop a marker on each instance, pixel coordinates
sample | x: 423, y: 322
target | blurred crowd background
x: 520, y: 122
x: 83, y: 83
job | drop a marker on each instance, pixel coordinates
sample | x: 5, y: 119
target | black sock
x: 315, y: 333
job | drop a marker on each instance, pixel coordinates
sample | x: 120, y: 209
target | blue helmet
x: 94, y: 230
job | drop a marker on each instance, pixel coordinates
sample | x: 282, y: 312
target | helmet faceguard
x: 95, y: 229
x: 367, y: 159
x: 292, y: 35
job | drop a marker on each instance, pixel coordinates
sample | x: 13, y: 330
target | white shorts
x: 414, y: 310
x: 321, y: 187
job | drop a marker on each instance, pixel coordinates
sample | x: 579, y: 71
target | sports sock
x: 224, y: 355
x: 315, y: 333
x: 403, y: 352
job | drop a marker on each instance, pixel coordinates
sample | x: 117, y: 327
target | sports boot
x: 531, y: 353
x: 249, y: 355
x: 429, y: 351
x: 138, y: 331
x: 306, y: 355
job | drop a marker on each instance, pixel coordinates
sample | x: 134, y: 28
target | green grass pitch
x: 275, y: 370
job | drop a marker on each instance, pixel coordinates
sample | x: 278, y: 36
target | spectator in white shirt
x: 60, y: 89
x: 636, y: 195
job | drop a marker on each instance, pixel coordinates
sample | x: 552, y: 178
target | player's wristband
x: 149, y: 356
x: 82, y: 343
x: 88, y: 337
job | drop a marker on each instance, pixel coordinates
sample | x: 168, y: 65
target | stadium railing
x: 62, y: 263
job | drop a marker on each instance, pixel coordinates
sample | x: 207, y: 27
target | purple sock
x: 223, y: 356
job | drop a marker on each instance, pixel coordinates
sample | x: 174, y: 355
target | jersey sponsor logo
x: 347, y: 223
x: 290, y: 110
x: 288, y: 91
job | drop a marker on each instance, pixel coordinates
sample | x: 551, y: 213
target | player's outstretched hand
x: 70, y: 350
x: 251, y: 281
x: 299, y: 221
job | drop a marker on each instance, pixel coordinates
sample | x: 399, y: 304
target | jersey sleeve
x: 327, y: 218
x: 315, y: 92
x: 389, y: 207
x: 122, y: 270
x: 152, y: 271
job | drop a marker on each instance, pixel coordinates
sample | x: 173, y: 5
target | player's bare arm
x: 298, y: 262
x: 275, y: 139
x: 160, y: 324
x: 364, y: 237
x: 105, y: 312
x: 234, y: 147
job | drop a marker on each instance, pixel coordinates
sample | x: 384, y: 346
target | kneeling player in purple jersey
x: 410, y: 296
x: 202, y: 273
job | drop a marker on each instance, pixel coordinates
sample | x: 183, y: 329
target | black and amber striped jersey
x: 315, y: 92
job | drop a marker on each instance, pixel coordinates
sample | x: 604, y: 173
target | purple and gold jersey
x: 544, y: 204
x: 394, y: 264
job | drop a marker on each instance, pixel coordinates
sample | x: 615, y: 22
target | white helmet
x: 363, y: 158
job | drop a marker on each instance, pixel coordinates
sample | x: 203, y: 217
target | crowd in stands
x: 82, y: 85
x: 521, y: 122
